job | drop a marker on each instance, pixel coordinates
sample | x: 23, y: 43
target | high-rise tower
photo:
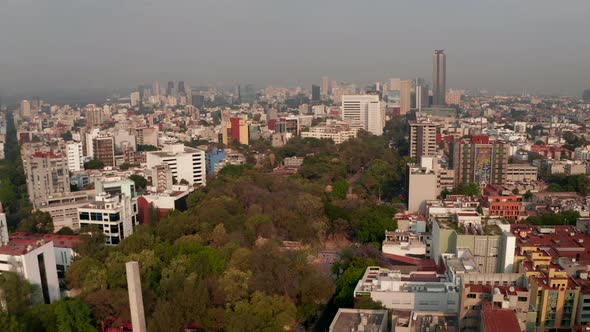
x: 439, y: 77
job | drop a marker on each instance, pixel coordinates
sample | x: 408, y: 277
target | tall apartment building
x: 439, y: 73
x: 422, y: 139
x: 103, y: 149
x: 237, y: 130
x: 185, y: 163
x: 422, y: 186
x: 47, y: 175
x: 75, y: 156
x: 405, y: 97
x: 364, y: 112
x: 25, y: 108
x: 146, y: 135
x: 479, y: 161
x: 94, y: 117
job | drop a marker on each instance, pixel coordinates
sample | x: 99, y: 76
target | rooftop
x: 359, y: 320
x: 20, y: 243
x: 499, y: 320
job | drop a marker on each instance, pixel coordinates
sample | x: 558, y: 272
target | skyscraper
x: 180, y: 88
x: 315, y: 93
x: 421, y: 95
x: 169, y: 88
x: 405, y: 97
x: 586, y: 96
x: 156, y: 88
x: 439, y: 77
x: 363, y: 111
x: 325, y: 86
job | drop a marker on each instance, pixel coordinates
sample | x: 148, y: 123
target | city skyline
x: 230, y: 42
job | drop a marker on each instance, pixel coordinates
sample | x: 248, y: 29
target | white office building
x: 186, y: 163
x: 364, y: 112
x: 419, y: 291
x: 114, y: 216
x: 75, y: 156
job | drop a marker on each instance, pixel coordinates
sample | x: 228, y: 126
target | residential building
x: 479, y: 161
x: 146, y: 136
x: 521, y: 173
x: 495, y: 319
x: 454, y: 97
x: 360, y: 320
x: 235, y: 129
x: 491, y: 246
x: 161, y: 178
x: 422, y: 139
x: 363, y: 112
x: 420, y: 291
x: 500, y: 202
x: 422, y: 186
x: 94, y: 116
x: 103, y: 149
x: 64, y: 209
x: 47, y: 175
x: 336, y: 133
x: 186, y: 163
x: 476, y: 298
x: 75, y: 156
x: 405, y: 97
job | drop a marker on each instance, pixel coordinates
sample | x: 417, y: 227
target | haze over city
x: 63, y: 47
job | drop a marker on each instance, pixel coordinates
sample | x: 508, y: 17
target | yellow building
x: 554, y: 296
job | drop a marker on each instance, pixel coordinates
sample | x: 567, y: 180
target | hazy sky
x: 506, y: 45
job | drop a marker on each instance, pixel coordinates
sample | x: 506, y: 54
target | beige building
x: 64, y: 209
x: 422, y: 187
x: 405, y: 97
x: 338, y: 134
x: 47, y: 175
x: 521, y: 173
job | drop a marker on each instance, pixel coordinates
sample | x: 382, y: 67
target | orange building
x: 501, y: 202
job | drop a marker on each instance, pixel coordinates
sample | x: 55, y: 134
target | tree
x: 374, y: 221
x: 379, y: 177
x: 94, y: 164
x: 65, y: 231
x: 146, y: 147
x: 73, y: 315
x: 340, y: 189
x: 37, y: 222
x: 17, y: 291
x: 140, y: 182
x: 261, y: 313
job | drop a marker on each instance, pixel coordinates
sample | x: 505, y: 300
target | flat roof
x: 19, y: 241
x: 351, y: 319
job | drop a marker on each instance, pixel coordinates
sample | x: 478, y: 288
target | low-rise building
x: 359, y: 320
x: 114, y: 216
x: 420, y: 291
x: 338, y: 134
x: 521, y: 173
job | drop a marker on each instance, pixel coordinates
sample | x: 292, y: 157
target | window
x: 522, y: 299
x: 471, y: 296
x: 84, y: 216
x: 114, y: 217
x: 96, y: 216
